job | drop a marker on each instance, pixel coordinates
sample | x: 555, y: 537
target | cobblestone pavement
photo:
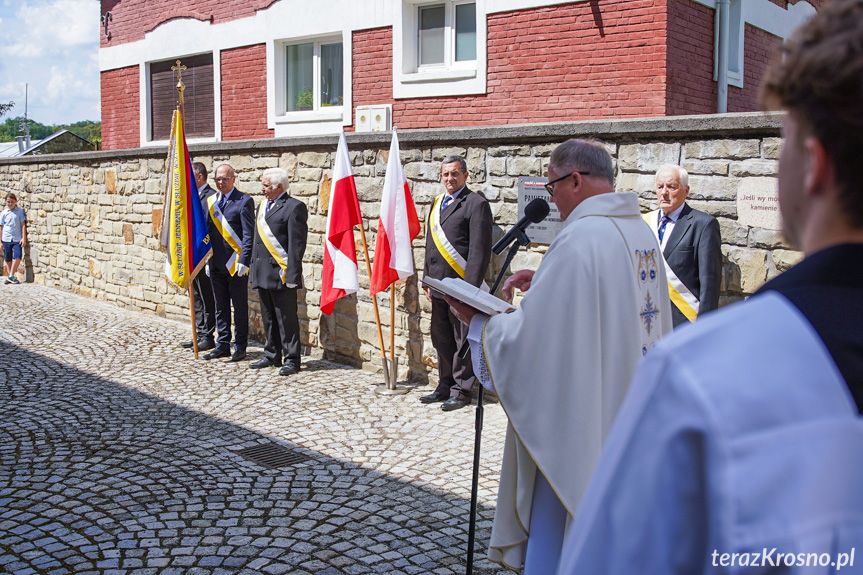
x: 119, y: 455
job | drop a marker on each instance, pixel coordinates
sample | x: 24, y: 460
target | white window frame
x: 410, y: 80
x: 736, y: 33
x: 280, y: 112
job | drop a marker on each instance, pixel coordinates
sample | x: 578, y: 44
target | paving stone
x: 121, y: 457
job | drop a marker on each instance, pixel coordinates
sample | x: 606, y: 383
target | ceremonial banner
x: 340, y: 256
x: 188, y: 241
x: 397, y: 228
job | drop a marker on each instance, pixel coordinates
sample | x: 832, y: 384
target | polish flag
x: 397, y: 228
x: 340, y: 256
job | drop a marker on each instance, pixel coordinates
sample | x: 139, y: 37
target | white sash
x: 681, y: 297
x: 230, y: 236
x: 269, y: 238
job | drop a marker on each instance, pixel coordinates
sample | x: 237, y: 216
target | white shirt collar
x: 673, y: 216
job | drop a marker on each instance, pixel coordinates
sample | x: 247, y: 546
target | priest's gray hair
x: 277, y: 176
x: 583, y: 156
x: 461, y: 163
x: 682, y: 174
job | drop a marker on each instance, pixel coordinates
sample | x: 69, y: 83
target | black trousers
x: 230, y: 291
x: 281, y: 325
x: 205, y: 306
x: 456, y: 376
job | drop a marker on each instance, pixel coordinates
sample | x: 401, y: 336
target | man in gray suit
x: 281, y: 230
x: 691, y: 245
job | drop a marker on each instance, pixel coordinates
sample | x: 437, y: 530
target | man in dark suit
x: 458, y: 244
x: 205, y: 306
x: 691, y: 245
x: 277, y: 270
x: 231, y: 222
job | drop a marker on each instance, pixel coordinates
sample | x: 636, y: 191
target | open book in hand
x: 471, y: 295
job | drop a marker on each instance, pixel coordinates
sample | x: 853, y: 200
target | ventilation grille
x: 272, y: 455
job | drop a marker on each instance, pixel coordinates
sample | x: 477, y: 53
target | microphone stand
x: 520, y: 240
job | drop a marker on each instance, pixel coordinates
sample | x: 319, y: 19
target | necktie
x: 447, y: 200
x: 662, y: 224
x: 221, y: 201
x: 269, y: 205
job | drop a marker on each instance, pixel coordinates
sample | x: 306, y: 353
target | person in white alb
x: 561, y: 363
x: 740, y: 446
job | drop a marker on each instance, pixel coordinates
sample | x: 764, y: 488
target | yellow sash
x: 681, y: 297
x: 230, y: 236
x: 269, y: 238
x: 446, y: 249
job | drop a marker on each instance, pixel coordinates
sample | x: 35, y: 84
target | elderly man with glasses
x: 561, y: 363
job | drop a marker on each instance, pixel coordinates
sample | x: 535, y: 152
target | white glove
x: 242, y: 270
x: 207, y: 270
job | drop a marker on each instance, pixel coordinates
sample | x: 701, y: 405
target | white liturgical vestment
x: 738, y: 450
x: 562, y: 362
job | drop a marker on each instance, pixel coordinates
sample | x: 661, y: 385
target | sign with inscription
x: 530, y: 188
x: 758, y: 204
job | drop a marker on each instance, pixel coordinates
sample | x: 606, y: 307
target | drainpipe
x: 21, y: 147
x: 723, y: 9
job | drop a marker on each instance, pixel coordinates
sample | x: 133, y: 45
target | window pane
x: 431, y: 39
x: 331, y: 74
x: 198, y: 97
x: 300, y: 77
x: 465, y: 32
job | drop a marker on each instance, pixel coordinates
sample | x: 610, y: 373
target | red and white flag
x: 397, y: 228
x: 340, y: 254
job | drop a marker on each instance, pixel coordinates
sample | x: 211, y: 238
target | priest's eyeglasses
x: 549, y: 187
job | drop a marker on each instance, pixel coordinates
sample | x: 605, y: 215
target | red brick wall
x: 570, y: 62
x: 691, y: 89
x: 759, y: 49
x: 121, y: 101
x: 244, y: 93
x: 131, y: 19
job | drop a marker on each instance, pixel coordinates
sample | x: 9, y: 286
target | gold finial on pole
x: 180, y: 87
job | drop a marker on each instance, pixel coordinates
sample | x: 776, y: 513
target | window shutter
x: 198, y: 99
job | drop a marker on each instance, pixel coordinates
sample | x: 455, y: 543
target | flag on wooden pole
x: 340, y: 255
x: 397, y: 228
x: 188, y: 240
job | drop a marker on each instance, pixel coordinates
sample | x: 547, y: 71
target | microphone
x: 534, y: 212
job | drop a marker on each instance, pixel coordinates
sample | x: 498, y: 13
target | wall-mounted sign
x: 529, y: 188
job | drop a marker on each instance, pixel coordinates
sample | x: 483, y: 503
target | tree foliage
x: 5, y: 108
x: 91, y: 131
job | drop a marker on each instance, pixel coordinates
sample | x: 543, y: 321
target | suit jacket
x: 288, y: 220
x: 205, y: 192
x: 240, y: 211
x: 694, y: 253
x: 467, y: 224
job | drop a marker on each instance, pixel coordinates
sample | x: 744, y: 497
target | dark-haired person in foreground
x: 740, y: 446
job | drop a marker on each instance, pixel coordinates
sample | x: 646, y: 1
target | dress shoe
x: 289, y: 369
x: 239, y: 355
x: 217, y: 353
x: 205, y: 344
x: 265, y: 362
x: 454, y: 403
x: 187, y: 344
x: 433, y: 398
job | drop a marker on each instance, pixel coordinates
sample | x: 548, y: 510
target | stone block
x: 647, y: 157
x: 314, y: 159
x: 95, y: 269
x: 303, y: 189
x: 784, y: 259
x: 310, y: 174
x: 288, y: 162
x: 520, y: 166
x: 499, y: 151
x: 723, y: 149
x: 438, y: 154
x: 423, y: 171
x: 545, y: 150
x: 755, y: 167
x: 724, y: 209
x: 505, y: 214
x: 407, y: 156
x: 771, y: 148
x: 758, y: 203
x: 128, y: 234
x: 732, y: 232
x: 111, y: 181
x: 706, y: 167
x: 369, y: 189
x: 241, y: 163
x: 640, y: 183
x: 324, y: 194
x: 265, y: 162
x: 712, y: 188
x: 497, y: 166
x: 768, y: 239
x: 746, y: 270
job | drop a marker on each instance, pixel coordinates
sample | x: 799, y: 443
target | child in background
x: 13, y: 234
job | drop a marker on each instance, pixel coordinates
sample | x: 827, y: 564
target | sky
x: 53, y: 47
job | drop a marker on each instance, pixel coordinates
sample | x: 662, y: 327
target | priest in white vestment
x: 740, y: 446
x: 561, y: 363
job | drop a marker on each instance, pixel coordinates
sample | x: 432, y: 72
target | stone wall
x: 95, y: 216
